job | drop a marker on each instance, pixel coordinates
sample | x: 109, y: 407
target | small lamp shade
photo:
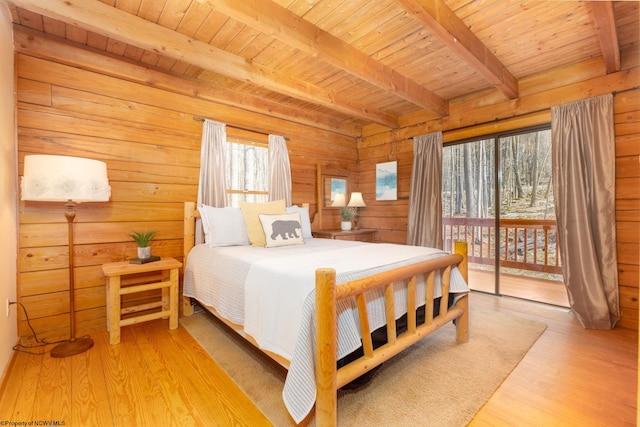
x: 63, y: 178
x: 339, y: 200
x: 356, y: 200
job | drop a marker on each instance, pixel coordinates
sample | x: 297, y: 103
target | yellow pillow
x: 250, y: 213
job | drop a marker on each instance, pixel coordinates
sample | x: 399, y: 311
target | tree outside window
x: 247, y: 175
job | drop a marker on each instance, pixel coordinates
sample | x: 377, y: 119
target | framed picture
x: 387, y: 181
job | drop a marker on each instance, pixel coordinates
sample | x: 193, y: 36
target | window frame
x: 230, y: 192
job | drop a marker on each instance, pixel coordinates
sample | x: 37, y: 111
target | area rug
x: 437, y: 382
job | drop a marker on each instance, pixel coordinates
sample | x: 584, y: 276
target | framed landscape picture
x: 387, y: 181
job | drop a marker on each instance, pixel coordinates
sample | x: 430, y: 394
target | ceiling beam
x: 436, y: 16
x: 604, y: 18
x: 284, y: 25
x: 111, y: 22
x: 47, y: 46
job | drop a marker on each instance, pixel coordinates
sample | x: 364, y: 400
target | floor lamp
x: 71, y: 180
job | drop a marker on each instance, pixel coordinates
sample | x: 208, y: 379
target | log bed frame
x: 328, y: 377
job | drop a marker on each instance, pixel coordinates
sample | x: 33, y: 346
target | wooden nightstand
x: 117, y: 286
x: 360, y: 235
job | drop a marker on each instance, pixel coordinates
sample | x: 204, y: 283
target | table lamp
x: 356, y: 202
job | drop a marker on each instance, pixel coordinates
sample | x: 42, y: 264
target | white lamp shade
x: 339, y: 200
x: 62, y: 178
x: 356, y: 200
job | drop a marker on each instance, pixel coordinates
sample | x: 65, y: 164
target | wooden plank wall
x: 475, y: 116
x: 627, y: 128
x: 75, y: 102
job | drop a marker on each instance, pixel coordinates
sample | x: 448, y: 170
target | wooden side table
x: 360, y: 235
x: 117, y: 286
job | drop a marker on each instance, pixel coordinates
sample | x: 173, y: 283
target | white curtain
x: 212, y: 187
x: 424, y: 226
x: 583, y: 157
x: 279, y: 170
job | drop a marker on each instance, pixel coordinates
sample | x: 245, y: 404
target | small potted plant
x: 143, y: 239
x: 346, y: 214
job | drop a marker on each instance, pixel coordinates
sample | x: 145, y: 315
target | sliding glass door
x: 498, y: 197
x: 468, y: 203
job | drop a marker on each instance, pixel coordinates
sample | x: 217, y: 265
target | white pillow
x: 223, y: 226
x: 304, y: 220
x: 281, y: 230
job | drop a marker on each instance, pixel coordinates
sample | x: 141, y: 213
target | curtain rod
x: 202, y: 119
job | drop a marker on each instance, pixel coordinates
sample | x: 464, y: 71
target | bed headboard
x: 191, y: 215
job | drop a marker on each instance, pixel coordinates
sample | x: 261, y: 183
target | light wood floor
x: 156, y: 377
x: 529, y: 288
x: 570, y: 377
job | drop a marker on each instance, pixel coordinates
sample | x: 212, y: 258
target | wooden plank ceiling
x: 345, y: 61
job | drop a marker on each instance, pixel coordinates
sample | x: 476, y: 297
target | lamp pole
x: 74, y: 345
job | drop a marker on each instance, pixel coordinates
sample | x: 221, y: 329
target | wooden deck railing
x: 526, y: 244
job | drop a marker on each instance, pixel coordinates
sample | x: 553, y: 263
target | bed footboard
x: 328, y: 377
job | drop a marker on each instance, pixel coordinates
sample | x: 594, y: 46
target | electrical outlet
x: 8, y: 305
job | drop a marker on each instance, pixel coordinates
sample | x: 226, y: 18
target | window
x: 247, y: 176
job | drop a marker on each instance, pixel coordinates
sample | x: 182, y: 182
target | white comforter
x: 271, y: 292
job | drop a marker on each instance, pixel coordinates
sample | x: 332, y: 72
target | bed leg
x: 326, y: 348
x: 187, y: 308
x: 462, y: 325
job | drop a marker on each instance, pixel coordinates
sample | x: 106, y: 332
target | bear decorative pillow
x: 282, y: 230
